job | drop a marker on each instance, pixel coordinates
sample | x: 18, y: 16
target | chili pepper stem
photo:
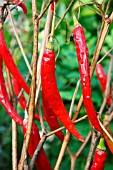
x: 75, y: 20
x: 53, y: 23
x: 75, y: 9
x: 49, y: 44
x: 101, y: 145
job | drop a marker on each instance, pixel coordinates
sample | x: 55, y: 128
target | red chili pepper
x: 22, y: 100
x: 53, y: 5
x: 5, y: 100
x: 22, y: 5
x: 5, y: 54
x: 99, y: 157
x: 102, y: 79
x: 82, y: 55
x: 51, y: 118
x: 51, y: 93
x: 109, y: 143
x: 42, y: 162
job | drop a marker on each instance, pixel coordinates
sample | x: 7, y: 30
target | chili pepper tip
x: 82, y: 139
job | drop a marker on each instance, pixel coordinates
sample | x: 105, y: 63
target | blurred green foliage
x: 67, y: 74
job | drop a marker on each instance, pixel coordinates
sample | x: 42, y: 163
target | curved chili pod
x: 42, y: 162
x: 51, y: 118
x: 22, y: 5
x: 82, y: 55
x: 5, y: 54
x: 51, y: 93
x: 4, y: 99
x: 102, y: 79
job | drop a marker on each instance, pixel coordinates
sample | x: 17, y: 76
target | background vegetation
x: 67, y: 74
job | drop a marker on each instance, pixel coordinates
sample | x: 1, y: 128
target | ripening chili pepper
x: 99, y: 156
x: 82, y: 56
x: 22, y: 5
x: 51, y: 118
x: 42, y: 162
x: 51, y: 93
x: 22, y: 100
x: 5, y: 54
x: 102, y: 79
x: 4, y: 99
x: 108, y: 128
x: 108, y: 141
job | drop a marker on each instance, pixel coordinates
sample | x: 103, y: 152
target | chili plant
x: 67, y: 110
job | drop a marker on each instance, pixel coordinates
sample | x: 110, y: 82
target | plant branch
x: 73, y: 98
x: 92, y: 147
x: 41, y: 119
x: 14, y: 127
x: 107, y: 53
x: 18, y: 40
x: 44, y: 10
x: 68, y: 8
x: 31, y: 104
x: 37, y: 151
x: 75, y: 156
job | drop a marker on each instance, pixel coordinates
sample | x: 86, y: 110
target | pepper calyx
x: 49, y: 45
x: 101, y: 145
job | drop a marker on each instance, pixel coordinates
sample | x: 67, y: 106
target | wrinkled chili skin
x: 102, y: 79
x: 51, y: 93
x: 82, y: 56
x: 51, y: 119
x: 42, y: 162
x: 99, y: 160
x: 22, y: 5
x: 5, y: 54
x: 4, y: 99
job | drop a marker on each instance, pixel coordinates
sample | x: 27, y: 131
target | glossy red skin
x: 51, y: 93
x: 52, y: 5
x: 22, y: 5
x: 8, y: 60
x: 82, y: 56
x: 4, y: 99
x: 51, y: 118
x: 109, y: 143
x: 99, y: 160
x: 42, y: 162
x: 102, y: 79
x: 22, y: 100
